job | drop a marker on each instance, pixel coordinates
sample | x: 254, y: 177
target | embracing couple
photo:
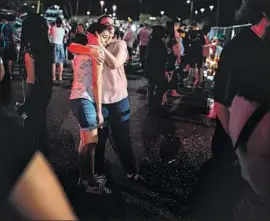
x: 99, y: 100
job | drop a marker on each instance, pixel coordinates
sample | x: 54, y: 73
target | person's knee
x: 89, y: 137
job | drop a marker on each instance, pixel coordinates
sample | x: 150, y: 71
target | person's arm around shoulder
x: 120, y: 58
x: 38, y: 194
x: 2, y: 69
x: 97, y: 69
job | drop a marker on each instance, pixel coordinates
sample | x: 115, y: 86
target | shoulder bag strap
x: 250, y: 125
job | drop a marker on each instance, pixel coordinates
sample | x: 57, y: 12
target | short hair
x: 96, y: 27
x: 99, y: 19
x: 252, y: 11
x: 80, y: 38
x: 58, y: 21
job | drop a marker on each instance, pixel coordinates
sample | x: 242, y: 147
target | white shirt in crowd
x: 57, y: 35
x: 129, y: 37
x: 144, y: 34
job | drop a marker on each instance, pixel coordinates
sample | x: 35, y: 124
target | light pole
x: 102, y: 3
x: 191, y: 2
x: 162, y: 13
x: 218, y: 6
x: 114, y: 8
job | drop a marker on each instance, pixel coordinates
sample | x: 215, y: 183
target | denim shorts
x: 85, y: 112
x: 58, y: 54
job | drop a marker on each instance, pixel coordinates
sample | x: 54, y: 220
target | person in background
x: 156, y: 59
x: 195, y: 55
x: 80, y: 29
x: 2, y: 69
x: 10, y: 49
x: 174, y: 56
x: 143, y: 35
x: 37, y: 60
x: 70, y: 38
x: 22, y: 183
x: 8, y: 33
x: 129, y: 38
x: 57, y: 36
x: 2, y: 74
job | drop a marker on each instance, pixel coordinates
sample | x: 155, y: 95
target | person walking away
x: 174, y: 56
x: 129, y: 38
x: 156, y: 59
x: 195, y: 55
x: 57, y: 38
x: 8, y: 33
x: 37, y: 60
x: 143, y: 34
x: 116, y: 107
x: 86, y: 98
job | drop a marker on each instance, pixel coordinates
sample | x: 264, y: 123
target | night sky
x: 173, y: 8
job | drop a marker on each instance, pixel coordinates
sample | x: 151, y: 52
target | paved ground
x: 169, y: 153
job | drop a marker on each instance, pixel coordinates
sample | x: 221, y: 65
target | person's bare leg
x: 61, y: 68
x: 54, y: 72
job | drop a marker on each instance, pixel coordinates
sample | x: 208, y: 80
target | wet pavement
x: 169, y: 153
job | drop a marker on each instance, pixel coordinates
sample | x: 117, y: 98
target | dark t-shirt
x: 156, y: 59
x: 14, y: 155
x: 234, y: 75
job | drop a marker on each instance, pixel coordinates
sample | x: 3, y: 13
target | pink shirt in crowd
x: 114, y: 80
x: 144, y: 34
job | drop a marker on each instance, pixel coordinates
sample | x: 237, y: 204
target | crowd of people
x: 100, y: 102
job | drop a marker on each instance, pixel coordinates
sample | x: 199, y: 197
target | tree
x: 144, y: 18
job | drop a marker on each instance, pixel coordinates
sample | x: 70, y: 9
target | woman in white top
x: 86, y: 105
x: 57, y: 37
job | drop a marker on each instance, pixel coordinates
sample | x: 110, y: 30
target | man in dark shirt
x: 239, y: 70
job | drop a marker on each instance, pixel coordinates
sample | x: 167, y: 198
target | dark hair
x: 158, y: 32
x: 80, y: 38
x: 103, y: 16
x: 117, y: 33
x: 96, y: 27
x: 80, y: 25
x: 58, y: 21
x: 251, y: 11
x: 38, y: 39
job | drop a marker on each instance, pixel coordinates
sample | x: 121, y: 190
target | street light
x: 196, y: 12
x: 114, y: 14
x: 33, y: 6
x: 105, y: 10
x: 114, y: 8
x: 211, y: 7
x: 191, y: 2
x: 202, y: 10
x: 102, y: 3
x: 25, y: 4
x: 88, y: 13
x: 162, y: 13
